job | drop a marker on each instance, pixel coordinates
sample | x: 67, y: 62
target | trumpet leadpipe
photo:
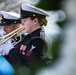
x: 14, y: 32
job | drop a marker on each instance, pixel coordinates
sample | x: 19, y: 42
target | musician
x: 10, y: 21
x: 30, y: 50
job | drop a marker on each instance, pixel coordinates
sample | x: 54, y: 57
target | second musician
x: 10, y: 22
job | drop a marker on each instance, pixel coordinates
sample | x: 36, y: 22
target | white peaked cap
x: 10, y: 15
x: 32, y: 9
x: 7, y: 18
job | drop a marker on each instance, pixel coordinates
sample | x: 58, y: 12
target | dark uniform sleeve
x: 14, y: 56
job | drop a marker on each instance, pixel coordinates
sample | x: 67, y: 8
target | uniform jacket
x: 29, y: 51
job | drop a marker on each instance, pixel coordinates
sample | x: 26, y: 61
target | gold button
x: 33, y: 14
x: 14, y: 21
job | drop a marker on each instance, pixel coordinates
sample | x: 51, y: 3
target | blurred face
x: 30, y: 24
x: 9, y: 28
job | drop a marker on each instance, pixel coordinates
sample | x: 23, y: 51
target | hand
x: 5, y: 48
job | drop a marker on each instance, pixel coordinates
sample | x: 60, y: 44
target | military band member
x: 30, y: 50
x: 10, y: 21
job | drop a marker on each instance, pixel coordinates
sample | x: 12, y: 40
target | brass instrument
x: 16, y: 32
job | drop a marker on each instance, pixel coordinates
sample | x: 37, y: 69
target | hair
x: 42, y: 21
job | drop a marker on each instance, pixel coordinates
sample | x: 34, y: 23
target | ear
x: 35, y: 21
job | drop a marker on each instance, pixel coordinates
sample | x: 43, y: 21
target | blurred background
x: 60, y: 33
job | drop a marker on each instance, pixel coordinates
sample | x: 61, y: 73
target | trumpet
x: 17, y: 32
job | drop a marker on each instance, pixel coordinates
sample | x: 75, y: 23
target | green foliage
x: 49, y: 4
